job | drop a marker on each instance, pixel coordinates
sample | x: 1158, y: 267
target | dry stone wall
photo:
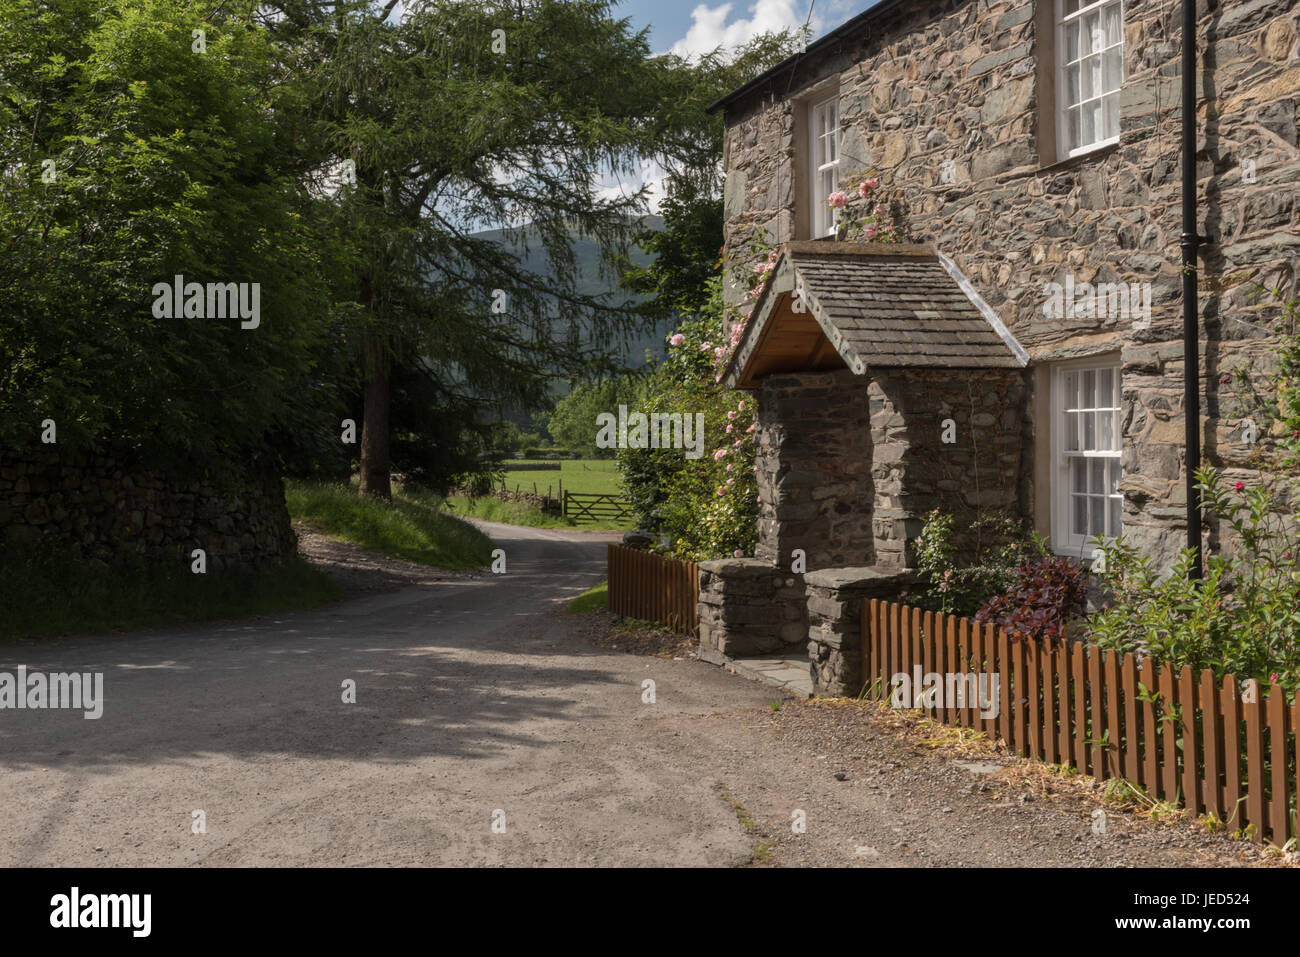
x: 98, y: 508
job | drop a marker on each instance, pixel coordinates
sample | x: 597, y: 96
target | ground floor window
x: 1086, y: 455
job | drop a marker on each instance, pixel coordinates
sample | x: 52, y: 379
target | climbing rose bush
x: 862, y: 209
x: 707, y: 506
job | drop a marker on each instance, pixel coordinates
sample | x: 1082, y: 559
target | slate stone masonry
x: 748, y: 607
x: 849, y: 465
x: 949, y: 102
x: 834, y: 600
x: 96, y: 508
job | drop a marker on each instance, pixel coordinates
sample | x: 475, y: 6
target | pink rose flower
x: 677, y: 340
x: 871, y: 184
x: 706, y: 346
x: 837, y: 200
x: 718, y: 455
x: 870, y: 231
x: 731, y: 415
x: 730, y: 426
x: 722, y: 490
x: 741, y: 407
x: 738, y: 554
x: 1239, y: 486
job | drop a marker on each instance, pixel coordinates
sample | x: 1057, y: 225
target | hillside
x: 630, y: 347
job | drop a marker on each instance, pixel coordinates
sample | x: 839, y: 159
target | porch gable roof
x: 868, y: 305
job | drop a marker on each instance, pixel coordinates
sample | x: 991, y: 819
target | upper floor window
x: 1091, y: 45
x: 824, y: 163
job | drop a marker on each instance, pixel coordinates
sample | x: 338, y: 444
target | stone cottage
x: 1023, y: 349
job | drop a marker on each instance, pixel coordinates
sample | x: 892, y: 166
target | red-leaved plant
x: 1046, y: 593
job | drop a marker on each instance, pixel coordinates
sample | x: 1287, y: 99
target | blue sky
x: 691, y: 27
x: 694, y: 26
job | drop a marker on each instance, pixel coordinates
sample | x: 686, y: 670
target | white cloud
x: 710, y: 28
x: 649, y: 174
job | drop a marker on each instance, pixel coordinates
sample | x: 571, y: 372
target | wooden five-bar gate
x: 595, y: 507
x: 1217, y: 747
x: 654, y: 588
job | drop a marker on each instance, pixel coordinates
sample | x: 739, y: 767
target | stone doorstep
x: 789, y: 674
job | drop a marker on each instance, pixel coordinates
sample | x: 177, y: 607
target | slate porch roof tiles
x: 881, y: 305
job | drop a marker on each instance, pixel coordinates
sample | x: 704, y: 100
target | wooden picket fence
x: 1182, y: 737
x: 654, y: 588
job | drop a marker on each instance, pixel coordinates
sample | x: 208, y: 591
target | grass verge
x: 413, y: 526
x: 43, y: 596
x: 589, y: 600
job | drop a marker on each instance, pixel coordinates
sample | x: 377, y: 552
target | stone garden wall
x: 95, y: 508
x: 944, y: 98
x: 834, y: 598
x: 748, y: 607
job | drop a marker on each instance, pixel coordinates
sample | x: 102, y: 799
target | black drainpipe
x: 1191, y: 241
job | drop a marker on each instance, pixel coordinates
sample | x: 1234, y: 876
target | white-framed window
x: 1090, y: 51
x: 824, y: 162
x: 1086, y: 444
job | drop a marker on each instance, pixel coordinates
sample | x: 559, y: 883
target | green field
x: 577, y: 476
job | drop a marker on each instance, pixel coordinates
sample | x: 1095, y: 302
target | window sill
x: 1101, y: 152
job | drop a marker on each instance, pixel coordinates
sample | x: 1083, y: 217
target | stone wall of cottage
x: 957, y: 81
x: 813, y: 460
x: 98, y: 508
x: 848, y: 465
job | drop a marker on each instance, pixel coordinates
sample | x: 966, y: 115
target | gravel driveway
x: 488, y: 730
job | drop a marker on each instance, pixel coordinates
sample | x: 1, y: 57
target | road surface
x: 488, y: 730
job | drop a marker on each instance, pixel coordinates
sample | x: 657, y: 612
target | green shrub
x: 954, y: 587
x: 1241, y: 618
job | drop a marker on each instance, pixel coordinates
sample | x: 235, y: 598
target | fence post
x: 1279, y: 802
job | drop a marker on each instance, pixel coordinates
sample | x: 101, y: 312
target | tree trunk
x: 375, y: 465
